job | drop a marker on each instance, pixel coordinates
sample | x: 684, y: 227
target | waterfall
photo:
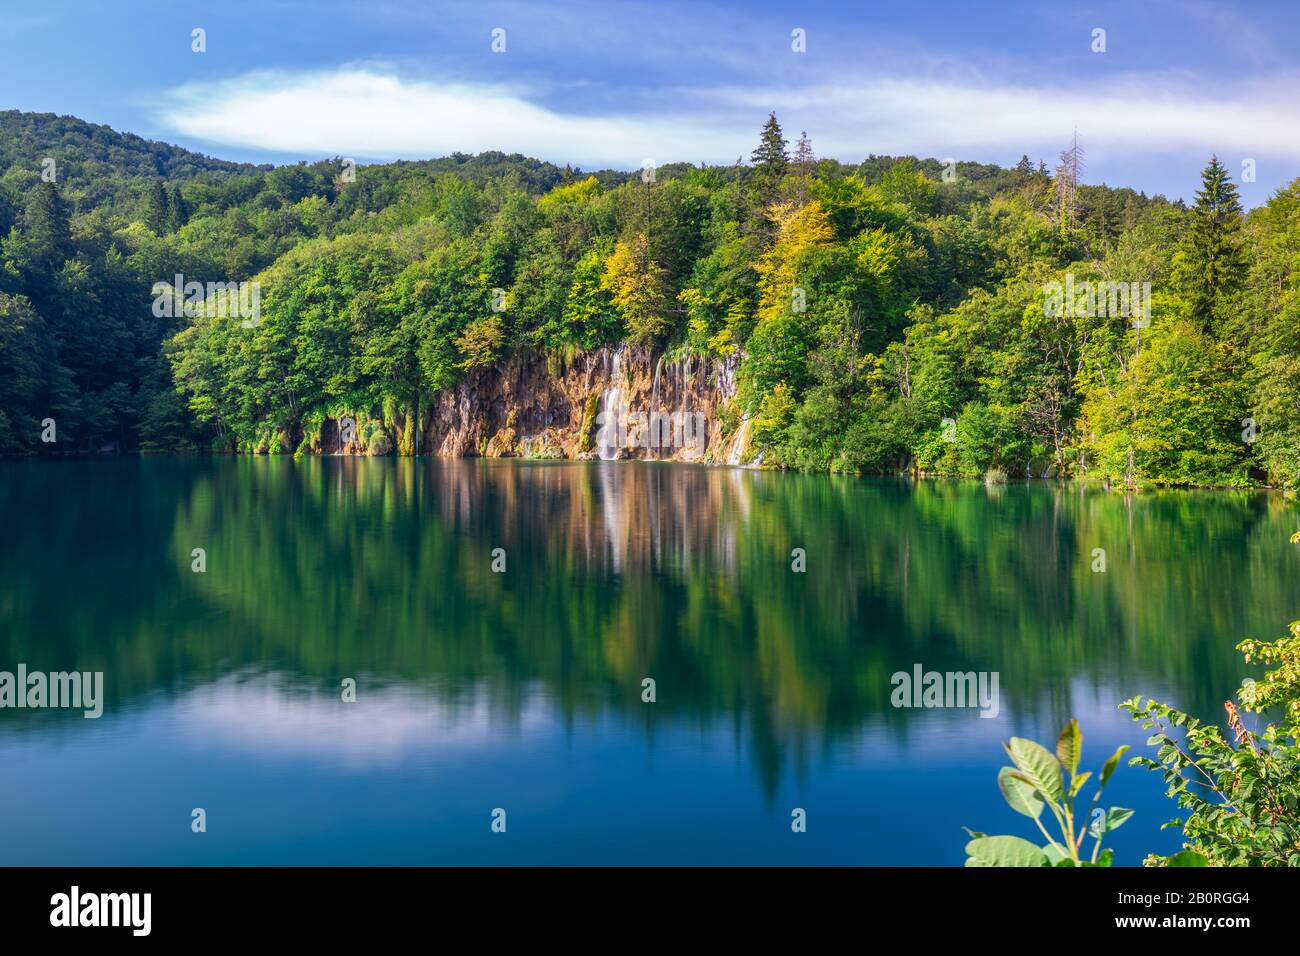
x: 739, y: 442
x: 654, y: 388
x: 685, y: 386
x: 654, y: 432
x: 611, y: 411
x: 727, y: 376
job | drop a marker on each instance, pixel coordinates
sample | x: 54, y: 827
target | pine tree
x: 1210, y: 265
x: 47, y: 237
x: 177, y: 212
x: 770, y: 160
x: 805, y: 168
x: 155, y: 216
x: 804, y: 160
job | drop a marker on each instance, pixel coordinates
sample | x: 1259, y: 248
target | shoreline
x: 1107, y: 485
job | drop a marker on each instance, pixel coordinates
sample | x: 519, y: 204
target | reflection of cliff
x: 325, y: 568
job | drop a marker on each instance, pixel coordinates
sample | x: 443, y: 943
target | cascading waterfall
x: 611, y: 410
x: 739, y: 442
x: 667, y: 395
x: 654, y: 432
x: 726, y: 377
x: 685, y: 387
x: 654, y: 388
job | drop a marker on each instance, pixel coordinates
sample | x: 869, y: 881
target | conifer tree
x: 1210, y: 265
x: 177, y: 212
x: 805, y: 168
x: 47, y: 237
x: 770, y: 160
x: 156, y: 208
x: 804, y: 160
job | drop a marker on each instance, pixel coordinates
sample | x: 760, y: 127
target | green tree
x: 639, y: 288
x: 22, y: 340
x: 770, y: 160
x: 1210, y: 267
x: 1175, y: 416
x: 44, y: 242
x: 156, y: 215
x: 1241, y: 793
x: 177, y: 212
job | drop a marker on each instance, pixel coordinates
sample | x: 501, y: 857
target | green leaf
x: 1020, y: 795
x: 1187, y: 858
x: 1039, y: 767
x: 1079, y: 781
x: 1069, y: 746
x: 1109, y: 767
x: 1115, y: 818
x: 1056, y: 856
x: 1003, y: 851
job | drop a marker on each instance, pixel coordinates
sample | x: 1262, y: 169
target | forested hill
x: 91, y: 159
x: 888, y: 314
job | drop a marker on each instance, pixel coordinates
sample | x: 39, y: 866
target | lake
x: 522, y: 689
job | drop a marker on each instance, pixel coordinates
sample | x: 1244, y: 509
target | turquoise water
x: 521, y: 690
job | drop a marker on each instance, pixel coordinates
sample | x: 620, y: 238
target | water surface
x: 522, y: 690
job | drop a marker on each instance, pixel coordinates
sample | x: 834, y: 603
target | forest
x: 898, y: 315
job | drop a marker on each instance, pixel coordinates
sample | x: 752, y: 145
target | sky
x: 613, y: 84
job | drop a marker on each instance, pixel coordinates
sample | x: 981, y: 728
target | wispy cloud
x: 373, y: 111
x: 366, y: 112
x: 1137, y: 116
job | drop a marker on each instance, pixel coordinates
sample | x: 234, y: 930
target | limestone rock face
x: 614, y: 403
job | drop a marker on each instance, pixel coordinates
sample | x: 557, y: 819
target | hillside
x: 92, y: 159
x: 883, y: 316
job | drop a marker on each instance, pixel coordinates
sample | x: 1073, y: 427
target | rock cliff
x: 613, y: 403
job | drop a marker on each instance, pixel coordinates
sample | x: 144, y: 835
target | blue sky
x: 614, y: 84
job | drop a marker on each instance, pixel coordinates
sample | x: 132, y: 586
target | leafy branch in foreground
x: 1037, y: 782
x: 1243, y: 794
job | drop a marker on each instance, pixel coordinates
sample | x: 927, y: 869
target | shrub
x: 1037, y: 782
x: 1242, y: 794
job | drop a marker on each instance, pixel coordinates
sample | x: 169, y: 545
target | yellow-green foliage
x: 585, y: 437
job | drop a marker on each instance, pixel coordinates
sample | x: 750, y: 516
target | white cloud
x: 383, y: 728
x: 364, y: 112
x: 369, y: 111
x: 1132, y: 117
